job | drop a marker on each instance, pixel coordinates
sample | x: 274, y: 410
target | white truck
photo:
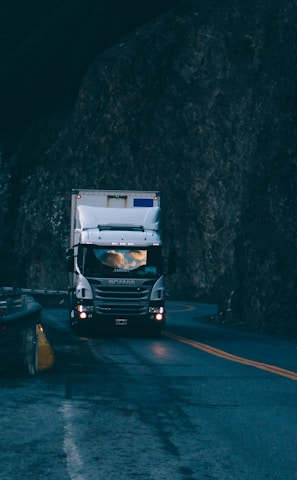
x: 115, y: 261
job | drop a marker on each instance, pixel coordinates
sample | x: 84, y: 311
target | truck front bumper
x: 85, y: 318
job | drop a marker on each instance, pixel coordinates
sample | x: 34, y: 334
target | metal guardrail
x: 31, y: 291
x: 17, y: 310
x: 46, y: 297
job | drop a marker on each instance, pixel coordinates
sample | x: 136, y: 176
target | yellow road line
x: 233, y: 358
x: 184, y: 308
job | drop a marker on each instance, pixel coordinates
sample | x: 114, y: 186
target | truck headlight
x: 158, y: 313
x: 85, y: 311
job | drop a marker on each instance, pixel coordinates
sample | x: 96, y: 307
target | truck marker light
x: 156, y: 309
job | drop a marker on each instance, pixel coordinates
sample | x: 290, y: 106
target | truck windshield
x: 96, y: 261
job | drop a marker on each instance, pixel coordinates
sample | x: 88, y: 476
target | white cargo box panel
x: 116, y: 198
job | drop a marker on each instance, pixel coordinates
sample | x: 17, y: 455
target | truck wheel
x: 71, y: 309
x: 72, y: 322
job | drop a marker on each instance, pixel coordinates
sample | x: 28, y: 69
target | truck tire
x: 71, y: 309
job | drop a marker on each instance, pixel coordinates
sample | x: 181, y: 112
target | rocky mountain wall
x: 199, y: 103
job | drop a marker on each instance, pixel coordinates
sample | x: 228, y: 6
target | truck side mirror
x: 171, y: 263
x: 70, y: 260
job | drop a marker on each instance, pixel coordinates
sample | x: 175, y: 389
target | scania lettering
x: 115, y: 261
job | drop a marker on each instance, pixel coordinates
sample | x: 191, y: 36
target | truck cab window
x: 110, y: 261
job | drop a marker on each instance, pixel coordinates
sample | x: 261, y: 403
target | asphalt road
x: 201, y: 402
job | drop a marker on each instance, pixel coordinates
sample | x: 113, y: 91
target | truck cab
x: 116, y: 261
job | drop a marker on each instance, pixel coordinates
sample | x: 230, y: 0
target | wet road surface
x: 181, y: 407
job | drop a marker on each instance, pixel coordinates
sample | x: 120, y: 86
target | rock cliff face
x: 199, y: 103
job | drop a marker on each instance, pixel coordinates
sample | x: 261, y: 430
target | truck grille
x: 124, y: 301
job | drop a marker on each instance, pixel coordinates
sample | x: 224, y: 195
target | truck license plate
x: 121, y: 321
